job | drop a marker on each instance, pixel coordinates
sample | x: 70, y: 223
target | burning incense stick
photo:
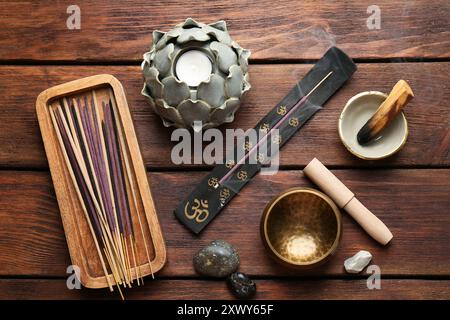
x: 300, y: 103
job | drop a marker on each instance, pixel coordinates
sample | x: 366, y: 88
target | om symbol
x: 260, y: 158
x: 242, y: 175
x: 199, y: 211
x: 224, y: 194
x: 293, y: 122
x: 276, y: 139
x: 247, y: 145
x: 229, y: 164
x: 282, y: 110
x: 264, y: 127
x: 213, y: 182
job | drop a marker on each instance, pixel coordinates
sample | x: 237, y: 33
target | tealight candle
x: 193, y: 67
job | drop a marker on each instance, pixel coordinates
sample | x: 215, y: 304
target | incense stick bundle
x: 91, y: 137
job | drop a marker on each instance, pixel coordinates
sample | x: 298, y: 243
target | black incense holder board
x: 210, y: 196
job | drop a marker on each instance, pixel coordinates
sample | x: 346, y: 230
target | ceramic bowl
x: 355, y: 114
x: 301, y: 228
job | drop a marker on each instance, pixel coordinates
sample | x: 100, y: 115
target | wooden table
x: 410, y: 191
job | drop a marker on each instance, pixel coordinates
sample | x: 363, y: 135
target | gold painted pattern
x: 242, y: 175
x: 213, y: 181
x: 264, y: 127
x: 229, y: 164
x: 293, y: 122
x: 224, y: 194
x: 198, y: 211
x: 259, y: 157
x: 282, y: 110
x: 276, y: 139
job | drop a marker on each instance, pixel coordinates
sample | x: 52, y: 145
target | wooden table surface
x: 410, y: 191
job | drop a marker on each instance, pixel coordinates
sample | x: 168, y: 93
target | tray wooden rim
x: 62, y: 186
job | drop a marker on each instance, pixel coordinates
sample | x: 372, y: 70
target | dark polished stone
x: 219, y: 259
x: 241, y: 285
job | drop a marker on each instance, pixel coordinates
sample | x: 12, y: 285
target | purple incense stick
x: 78, y: 177
x: 96, y: 161
x: 118, y: 173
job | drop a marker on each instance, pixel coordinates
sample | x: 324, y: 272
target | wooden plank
x: 290, y: 29
x: 415, y: 205
x: 427, y: 114
x: 42, y: 289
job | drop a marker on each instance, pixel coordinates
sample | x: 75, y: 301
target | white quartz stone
x: 358, y: 262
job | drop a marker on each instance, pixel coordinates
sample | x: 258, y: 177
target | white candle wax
x: 193, y: 67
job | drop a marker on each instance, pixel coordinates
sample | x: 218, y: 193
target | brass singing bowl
x: 301, y: 228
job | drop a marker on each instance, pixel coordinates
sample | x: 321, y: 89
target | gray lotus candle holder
x: 195, y: 72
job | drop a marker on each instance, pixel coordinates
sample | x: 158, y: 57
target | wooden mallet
x: 345, y: 199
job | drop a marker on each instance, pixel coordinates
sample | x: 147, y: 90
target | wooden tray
x: 79, y: 239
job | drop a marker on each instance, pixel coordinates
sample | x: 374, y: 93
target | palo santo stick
x: 77, y: 190
x: 398, y: 98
